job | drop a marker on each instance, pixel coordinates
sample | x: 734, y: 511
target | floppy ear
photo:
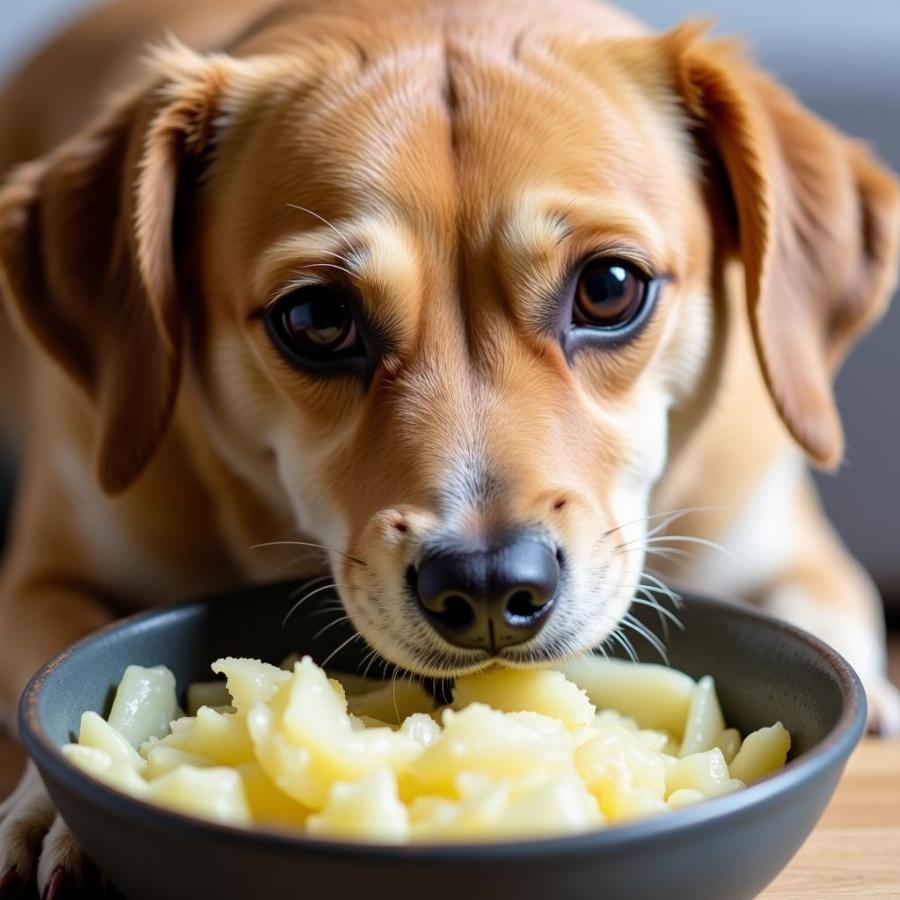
x: 86, y: 252
x: 817, y: 224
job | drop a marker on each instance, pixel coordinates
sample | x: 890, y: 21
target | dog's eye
x: 609, y: 293
x: 317, y: 321
x: 314, y: 325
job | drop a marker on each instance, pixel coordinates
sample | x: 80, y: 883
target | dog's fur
x: 454, y: 158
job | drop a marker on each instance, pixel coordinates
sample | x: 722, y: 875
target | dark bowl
x: 729, y: 847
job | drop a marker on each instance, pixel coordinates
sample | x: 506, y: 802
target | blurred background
x: 843, y: 60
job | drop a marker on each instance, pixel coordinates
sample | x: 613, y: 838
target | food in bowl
x: 518, y: 753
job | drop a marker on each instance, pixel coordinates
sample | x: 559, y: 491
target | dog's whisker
x: 373, y: 657
x: 302, y: 600
x: 324, y: 611
x: 383, y: 663
x: 679, y: 538
x: 394, y: 694
x: 362, y: 662
x: 326, y: 628
x: 667, y: 552
x: 639, y: 544
x: 672, y: 595
x: 334, y: 602
x: 629, y: 621
x: 679, y: 557
x: 680, y: 513
x: 323, y: 220
x: 623, y: 642
x: 281, y: 568
x: 353, y: 637
x: 355, y: 559
x: 645, y: 597
x: 321, y: 586
x: 344, y: 259
x: 617, y: 636
x: 652, y: 603
x: 317, y: 580
x: 720, y: 594
x: 659, y: 589
x: 657, y: 607
x: 323, y: 265
x: 640, y: 584
x: 612, y: 531
x: 690, y: 539
x: 669, y: 516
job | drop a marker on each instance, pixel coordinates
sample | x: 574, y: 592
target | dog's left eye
x: 314, y: 326
x: 609, y: 293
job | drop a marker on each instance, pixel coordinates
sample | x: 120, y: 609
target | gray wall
x: 843, y: 59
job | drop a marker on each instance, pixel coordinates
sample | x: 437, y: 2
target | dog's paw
x: 25, y: 817
x: 61, y: 867
x: 36, y: 847
x: 884, y: 708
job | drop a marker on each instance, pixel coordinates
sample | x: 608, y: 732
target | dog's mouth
x: 349, y: 637
x: 438, y: 664
x: 457, y: 605
x: 421, y: 650
x: 445, y: 662
x: 457, y: 610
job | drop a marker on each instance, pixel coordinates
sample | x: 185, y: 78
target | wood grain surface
x: 855, y: 850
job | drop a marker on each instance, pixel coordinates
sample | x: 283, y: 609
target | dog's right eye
x: 315, y: 327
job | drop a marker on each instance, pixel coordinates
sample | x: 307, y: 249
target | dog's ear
x: 816, y: 224
x: 87, y: 257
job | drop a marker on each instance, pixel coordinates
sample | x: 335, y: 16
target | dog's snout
x: 489, y: 597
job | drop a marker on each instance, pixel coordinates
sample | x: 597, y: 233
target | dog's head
x: 444, y: 284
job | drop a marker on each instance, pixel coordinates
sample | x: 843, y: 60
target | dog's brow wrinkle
x: 449, y: 91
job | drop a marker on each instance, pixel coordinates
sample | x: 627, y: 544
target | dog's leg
x: 784, y: 556
x: 824, y: 589
x: 38, y: 617
x: 30, y: 830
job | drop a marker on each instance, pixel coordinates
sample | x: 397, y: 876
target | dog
x: 514, y: 308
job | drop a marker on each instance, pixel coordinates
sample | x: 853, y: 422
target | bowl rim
x: 833, y: 749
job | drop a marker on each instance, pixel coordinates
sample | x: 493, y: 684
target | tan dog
x: 471, y: 293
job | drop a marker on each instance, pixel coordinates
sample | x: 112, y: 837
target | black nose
x: 491, y: 597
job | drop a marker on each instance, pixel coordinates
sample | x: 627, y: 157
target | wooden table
x: 855, y: 850
x: 853, y: 854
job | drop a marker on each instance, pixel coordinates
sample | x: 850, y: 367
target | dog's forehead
x: 458, y: 136
x: 459, y: 133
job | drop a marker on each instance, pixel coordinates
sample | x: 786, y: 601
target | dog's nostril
x: 454, y: 600
x: 457, y: 612
x: 524, y: 604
